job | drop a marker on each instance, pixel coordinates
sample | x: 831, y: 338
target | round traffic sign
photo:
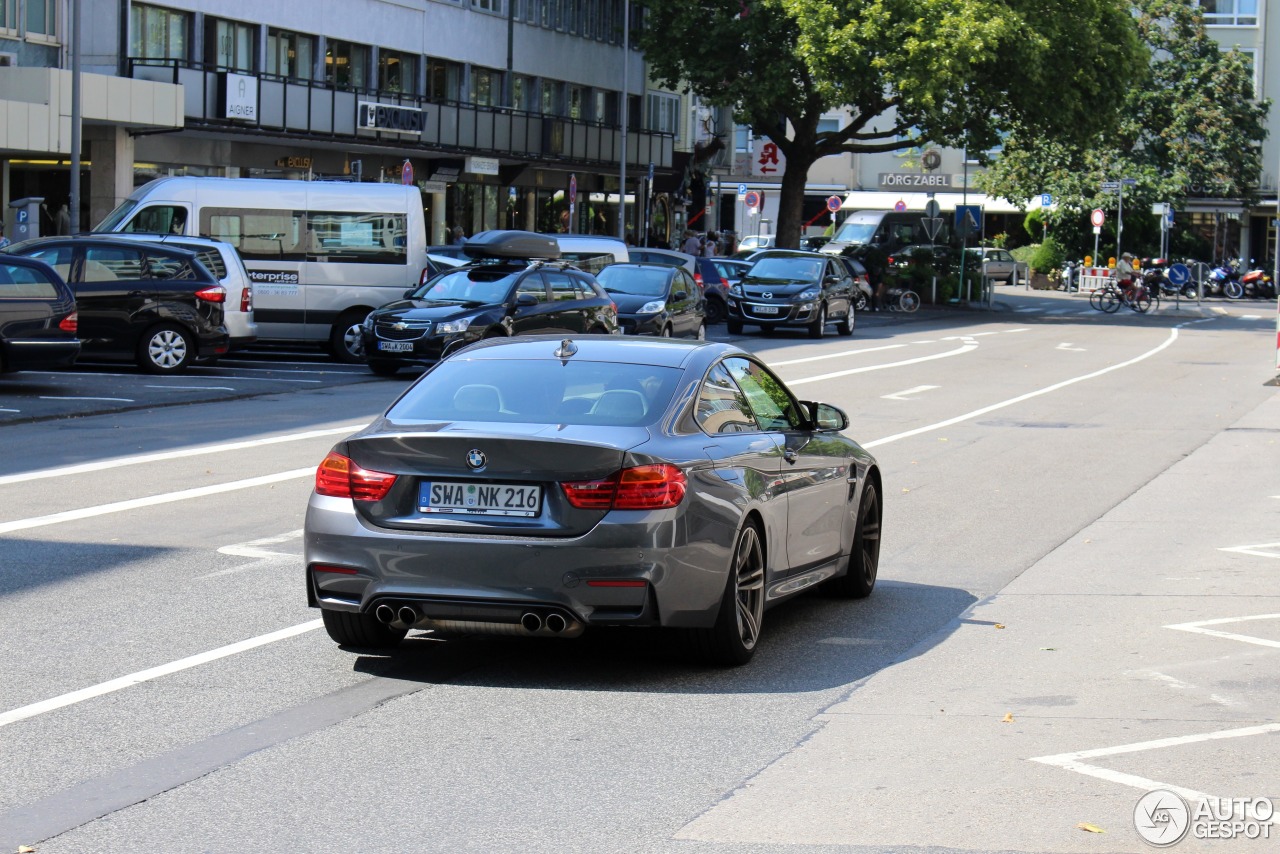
x: 900, y: 205
x: 834, y: 203
x: 1098, y: 217
x: 752, y: 199
x: 406, y: 173
x: 932, y: 208
x: 1179, y: 274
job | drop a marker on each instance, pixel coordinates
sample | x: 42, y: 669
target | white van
x: 321, y: 254
x: 592, y: 253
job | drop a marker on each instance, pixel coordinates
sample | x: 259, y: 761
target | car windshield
x: 539, y: 391
x: 798, y: 269
x: 634, y: 280
x: 473, y: 285
x: 855, y: 232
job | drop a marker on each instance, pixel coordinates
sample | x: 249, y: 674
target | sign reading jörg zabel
x: 897, y: 180
x: 390, y: 118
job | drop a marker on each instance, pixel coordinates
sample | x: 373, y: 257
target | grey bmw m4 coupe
x: 540, y: 486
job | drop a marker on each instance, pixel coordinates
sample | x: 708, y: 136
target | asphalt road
x: 1077, y: 603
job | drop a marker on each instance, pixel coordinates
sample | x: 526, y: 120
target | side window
x: 57, y: 257
x: 259, y: 235
x: 365, y: 238
x: 722, y: 407
x: 563, y: 288
x: 769, y: 401
x: 159, y: 219
x: 24, y: 283
x: 684, y: 282
x: 109, y: 263
x: 161, y: 265
x: 532, y: 284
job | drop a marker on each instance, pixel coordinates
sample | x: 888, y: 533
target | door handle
x: 789, y: 455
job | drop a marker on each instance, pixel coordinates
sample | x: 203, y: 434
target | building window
x: 444, y: 80
x: 291, y: 55
x: 496, y: 7
x: 9, y: 17
x: 486, y: 87
x: 552, y: 98
x: 524, y: 93
x: 42, y: 20
x: 397, y: 72
x: 742, y: 139
x: 158, y: 33
x: 662, y: 112
x: 1230, y: 13
x: 346, y: 65
x: 231, y: 44
x: 577, y: 102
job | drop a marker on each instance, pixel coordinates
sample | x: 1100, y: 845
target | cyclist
x: 1124, y: 274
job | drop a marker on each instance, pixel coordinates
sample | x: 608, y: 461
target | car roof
x: 664, y: 352
x: 647, y: 265
x: 162, y: 237
x: 789, y: 253
x: 89, y: 239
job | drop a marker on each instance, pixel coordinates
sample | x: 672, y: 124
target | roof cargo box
x: 512, y: 244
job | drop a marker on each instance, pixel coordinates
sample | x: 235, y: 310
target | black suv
x: 793, y: 288
x: 157, y: 306
x: 514, y: 285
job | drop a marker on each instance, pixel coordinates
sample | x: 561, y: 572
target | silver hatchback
x: 541, y: 486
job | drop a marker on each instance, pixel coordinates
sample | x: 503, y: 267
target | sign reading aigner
x: 389, y: 117
x: 897, y: 180
x: 239, y: 97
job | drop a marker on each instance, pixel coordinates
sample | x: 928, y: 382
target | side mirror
x: 525, y: 300
x: 829, y: 418
x: 679, y: 295
x: 409, y: 294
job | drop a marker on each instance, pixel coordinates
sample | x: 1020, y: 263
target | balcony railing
x: 315, y: 109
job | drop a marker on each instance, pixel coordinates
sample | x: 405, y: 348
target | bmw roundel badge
x: 476, y: 458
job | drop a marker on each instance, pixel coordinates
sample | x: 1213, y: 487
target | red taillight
x: 70, y: 322
x: 337, y: 570
x: 639, y: 488
x: 697, y: 278
x: 246, y: 299
x: 424, y: 275
x: 339, y: 477
x: 213, y: 293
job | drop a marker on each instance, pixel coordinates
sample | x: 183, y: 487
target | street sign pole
x: 1120, y: 219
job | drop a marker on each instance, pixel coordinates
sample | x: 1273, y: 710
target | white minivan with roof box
x: 321, y: 254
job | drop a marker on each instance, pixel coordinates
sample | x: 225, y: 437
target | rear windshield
x: 610, y: 394
x: 469, y: 284
x: 634, y: 280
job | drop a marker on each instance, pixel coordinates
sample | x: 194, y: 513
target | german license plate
x: 479, y: 499
x: 766, y: 309
x: 395, y: 346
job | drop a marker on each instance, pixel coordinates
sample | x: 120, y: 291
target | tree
x: 1190, y: 127
x: 909, y: 72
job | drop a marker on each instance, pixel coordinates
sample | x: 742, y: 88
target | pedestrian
x: 459, y: 236
x: 4, y: 241
x: 711, y: 245
x: 692, y: 246
x: 62, y: 221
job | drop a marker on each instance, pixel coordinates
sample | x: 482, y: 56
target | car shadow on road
x: 25, y: 564
x: 812, y: 643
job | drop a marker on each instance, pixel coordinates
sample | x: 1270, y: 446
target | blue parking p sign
x: 1045, y: 200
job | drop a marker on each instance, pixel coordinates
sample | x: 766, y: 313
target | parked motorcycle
x: 1257, y: 283
x: 1156, y: 277
x: 1225, y: 279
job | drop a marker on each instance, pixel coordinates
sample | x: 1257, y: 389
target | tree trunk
x: 791, y: 201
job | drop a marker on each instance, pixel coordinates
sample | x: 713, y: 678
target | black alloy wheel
x: 733, y: 639
x: 864, y: 560
x: 818, y: 328
x: 346, y: 341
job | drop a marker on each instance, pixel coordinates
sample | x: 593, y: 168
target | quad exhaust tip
x: 384, y: 614
x: 407, y: 615
x: 556, y: 623
x: 531, y: 622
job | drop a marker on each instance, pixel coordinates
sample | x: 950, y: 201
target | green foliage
x: 946, y: 72
x: 1023, y: 254
x: 1049, y: 255
x: 1034, y: 223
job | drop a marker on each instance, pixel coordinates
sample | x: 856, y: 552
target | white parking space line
x: 983, y: 334
x: 1198, y: 628
x: 110, y: 399
x: 254, y: 548
x: 1259, y: 550
x: 192, y: 387
x: 839, y: 355
x: 150, y: 501
x: 1071, y: 761
x: 98, y: 690
x: 1026, y: 310
x: 10, y: 410
x: 902, y: 395
x: 948, y: 354
x: 142, y: 459
x: 272, y: 380
x: 1067, y: 346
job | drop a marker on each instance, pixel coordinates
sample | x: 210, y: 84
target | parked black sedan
x: 540, y: 486
x: 655, y: 299
x: 37, y: 317
x: 514, y: 286
x: 154, y: 305
x: 793, y: 288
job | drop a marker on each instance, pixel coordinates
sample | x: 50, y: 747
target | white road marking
x: 836, y: 355
x: 190, y: 376
x: 924, y: 342
x: 948, y: 354
x: 101, y: 688
x: 1059, y: 311
x: 1250, y: 317
x: 253, y: 548
x: 901, y: 394
x: 1256, y: 550
x: 1198, y: 627
x: 1071, y: 761
x: 981, y: 334
x: 192, y: 387
x: 928, y: 428
x: 1069, y: 347
x: 10, y: 410
x: 150, y: 501
x: 142, y: 459
x: 63, y: 397
x: 1026, y: 310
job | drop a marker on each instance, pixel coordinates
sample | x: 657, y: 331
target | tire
x: 166, y: 348
x: 864, y: 560
x: 1141, y: 303
x: 733, y: 327
x: 1111, y: 302
x: 1188, y: 291
x: 701, y: 334
x: 715, y: 311
x: 360, y: 630
x: 861, y: 303
x: 844, y: 326
x: 908, y: 301
x: 666, y: 332
x: 384, y: 369
x: 1095, y: 300
x: 732, y: 640
x: 818, y: 327
x: 1233, y: 290
x: 346, y: 343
